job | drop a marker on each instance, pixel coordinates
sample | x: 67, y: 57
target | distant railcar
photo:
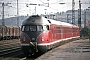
x: 16, y: 32
x: 9, y: 32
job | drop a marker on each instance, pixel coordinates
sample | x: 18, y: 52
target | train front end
x: 33, y: 33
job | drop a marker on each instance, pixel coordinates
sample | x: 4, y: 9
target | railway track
x: 11, y: 52
x: 4, y: 46
x: 37, y: 55
x: 15, y: 52
x: 33, y: 57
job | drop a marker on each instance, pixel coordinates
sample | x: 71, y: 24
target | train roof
x: 62, y: 23
x: 35, y: 19
x: 54, y: 22
x: 42, y: 20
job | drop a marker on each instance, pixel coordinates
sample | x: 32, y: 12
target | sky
x: 54, y: 6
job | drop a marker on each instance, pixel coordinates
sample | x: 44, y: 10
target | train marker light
x: 42, y: 38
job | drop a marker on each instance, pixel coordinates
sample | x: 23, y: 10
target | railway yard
x: 74, y: 50
x: 48, y: 32
x: 9, y: 49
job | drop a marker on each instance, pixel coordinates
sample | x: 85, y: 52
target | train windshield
x: 39, y: 28
x: 35, y: 28
x: 46, y: 28
x: 29, y: 28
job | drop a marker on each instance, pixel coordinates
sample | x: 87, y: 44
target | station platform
x: 76, y: 50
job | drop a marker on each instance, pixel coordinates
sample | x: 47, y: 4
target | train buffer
x: 76, y: 50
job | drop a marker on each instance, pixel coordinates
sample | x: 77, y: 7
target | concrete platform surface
x: 76, y: 50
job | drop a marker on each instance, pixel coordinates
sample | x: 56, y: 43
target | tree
x: 84, y: 31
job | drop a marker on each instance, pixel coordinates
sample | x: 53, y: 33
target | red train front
x: 35, y: 30
x: 39, y: 34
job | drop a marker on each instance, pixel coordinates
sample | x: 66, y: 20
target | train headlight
x: 42, y: 38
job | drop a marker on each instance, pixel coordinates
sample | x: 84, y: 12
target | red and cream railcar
x: 39, y: 33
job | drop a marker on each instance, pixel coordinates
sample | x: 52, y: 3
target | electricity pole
x: 79, y: 15
x: 3, y: 5
x: 73, y: 12
x: 3, y: 14
x: 84, y: 18
x: 17, y: 15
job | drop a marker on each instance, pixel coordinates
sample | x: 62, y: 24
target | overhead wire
x: 49, y: 6
x: 42, y: 1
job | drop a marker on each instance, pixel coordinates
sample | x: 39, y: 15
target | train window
x: 32, y: 28
x: 26, y: 28
x: 39, y: 28
x: 23, y: 27
x: 45, y: 28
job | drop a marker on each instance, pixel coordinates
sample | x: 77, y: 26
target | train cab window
x: 39, y: 28
x: 45, y: 27
x: 32, y: 28
x: 26, y: 28
x: 22, y: 29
